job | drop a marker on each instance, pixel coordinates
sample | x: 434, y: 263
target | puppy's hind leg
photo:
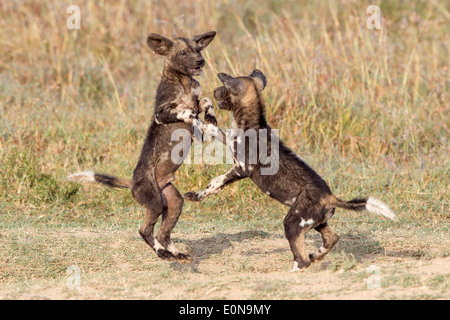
x: 329, y: 237
x: 295, y: 230
x: 172, y: 211
x: 146, y: 230
x: 153, y: 203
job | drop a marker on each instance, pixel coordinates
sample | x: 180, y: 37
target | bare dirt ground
x: 235, y: 265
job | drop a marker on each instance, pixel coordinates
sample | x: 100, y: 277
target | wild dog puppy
x: 295, y: 184
x: 176, y: 107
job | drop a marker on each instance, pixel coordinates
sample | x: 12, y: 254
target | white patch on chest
x: 195, y: 91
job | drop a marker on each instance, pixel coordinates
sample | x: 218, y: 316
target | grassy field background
x: 367, y: 109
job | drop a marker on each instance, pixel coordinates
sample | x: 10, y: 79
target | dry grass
x: 368, y: 109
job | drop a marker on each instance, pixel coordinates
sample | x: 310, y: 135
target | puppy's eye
x: 183, y: 53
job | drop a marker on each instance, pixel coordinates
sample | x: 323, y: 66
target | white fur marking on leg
x: 206, y: 106
x: 158, y: 246
x: 306, y: 222
x: 212, y: 188
x: 210, y: 129
x: 295, y: 267
x: 321, y: 249
x: 186, y: 115
x: 200, y: 195
x: 198, y: 125
x: 210, y: 111
x: 172, y: 249
x: 217, y: 183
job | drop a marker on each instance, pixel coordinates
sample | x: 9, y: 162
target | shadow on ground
x: 204, y: 248
x: 357, y: 246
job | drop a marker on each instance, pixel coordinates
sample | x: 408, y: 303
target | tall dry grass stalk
x: 83, y: 98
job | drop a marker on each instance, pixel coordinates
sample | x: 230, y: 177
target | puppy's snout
x: 200, y: 62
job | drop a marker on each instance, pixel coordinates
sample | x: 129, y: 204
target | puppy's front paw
x: 192, y: 196
x: 189, y: 116
x: 210, y: 119
x: 206, y: 106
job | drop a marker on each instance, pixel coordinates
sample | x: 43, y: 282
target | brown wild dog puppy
x: 295, y: 184
x: 176, y: 107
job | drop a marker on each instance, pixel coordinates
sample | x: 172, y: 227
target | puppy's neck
x: 173, y: 75
x: 251, y: 115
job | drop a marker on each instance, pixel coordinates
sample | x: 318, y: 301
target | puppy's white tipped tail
x: 86, y: 176
x: 378, y: 207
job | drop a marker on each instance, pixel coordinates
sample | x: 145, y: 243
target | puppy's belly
x: 278, y: 188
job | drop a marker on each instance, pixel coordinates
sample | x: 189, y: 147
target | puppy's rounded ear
x: 159, y: 44
x: 203, y: 40
x: 234, y: 85
x: 259, y: 78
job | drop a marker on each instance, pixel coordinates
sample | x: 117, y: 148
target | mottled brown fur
x: 177, y: 106
x: 295, y: 184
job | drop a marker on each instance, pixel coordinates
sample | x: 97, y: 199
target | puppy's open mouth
x: 197, y: 70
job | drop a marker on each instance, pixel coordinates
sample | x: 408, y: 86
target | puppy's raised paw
x: 210, y: 119
x: 205, y: 104
x: 192, y: 196
x: 207, y: 107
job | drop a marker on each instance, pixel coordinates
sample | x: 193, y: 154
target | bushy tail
x: 109, y: 181
x: 371, y: 204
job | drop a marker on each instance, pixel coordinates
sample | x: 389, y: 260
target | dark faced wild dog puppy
x: 176, y: 107
x: 295, y: 184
